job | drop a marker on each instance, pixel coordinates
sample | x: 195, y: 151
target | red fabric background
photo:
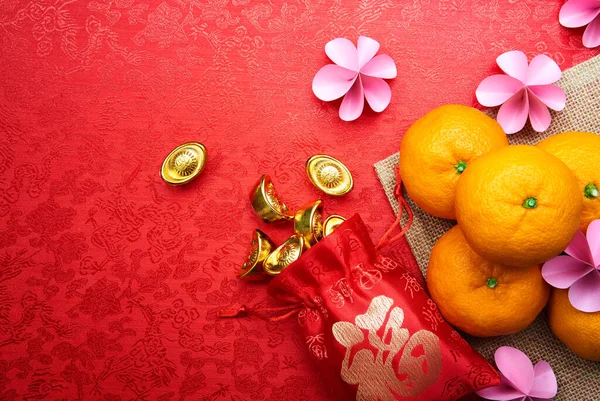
x: 109, y: 279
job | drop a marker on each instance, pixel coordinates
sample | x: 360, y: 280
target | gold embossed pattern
x: 273, y: 199
x: 330, y: 175
x: 317, y: 225
x: 184, y: 162
x: 288, y: 254
x: 253, y: 253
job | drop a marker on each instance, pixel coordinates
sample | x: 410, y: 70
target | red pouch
x: 368, y: 321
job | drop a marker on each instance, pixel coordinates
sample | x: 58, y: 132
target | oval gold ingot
x: 331, y: 223
x: 329, y: 175
x: 266, y: 203
x: 284, y: 255
x: 308, y: 222
x: 184, y: 163
x: 260, y: 248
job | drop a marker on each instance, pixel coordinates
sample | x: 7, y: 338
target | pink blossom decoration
x: 579, y: 270
x: 358, y: 74
x: 577, y: 13
x: 526, y: 90
x: 519, y: 379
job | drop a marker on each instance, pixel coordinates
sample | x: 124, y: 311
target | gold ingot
x: 308, y: 223
x: 260, y: 248
x: 266, y: 202
x: 184, y: 163
x: 331, y: 223
x: 284, y: 255
x: 329, y: 175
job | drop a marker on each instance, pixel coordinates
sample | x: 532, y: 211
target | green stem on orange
x: 530, y: 203
x: 491, y: 282
x: 460, y: 167
x: 591, y: 191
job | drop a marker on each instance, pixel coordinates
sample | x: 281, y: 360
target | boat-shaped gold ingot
x: 260, y: 248
x: 331, y: 223
x: 284, y: 255
x: 308, y: 223
x: 184, y: 163
x: 266, y: 203
x: 329, y: 175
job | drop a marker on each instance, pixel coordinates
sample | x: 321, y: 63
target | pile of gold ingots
x: 328, y: 174
x: 264, y: 258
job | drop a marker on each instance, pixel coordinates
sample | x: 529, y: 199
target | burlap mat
x: 578, y: 379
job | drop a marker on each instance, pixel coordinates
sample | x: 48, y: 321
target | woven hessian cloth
x: 578, y: 379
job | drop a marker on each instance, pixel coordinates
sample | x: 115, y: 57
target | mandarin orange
x: 483, y: 298
x: 518, y: 205
x: 580, y: 331
x: 438, y: 147
x: 580, y: 151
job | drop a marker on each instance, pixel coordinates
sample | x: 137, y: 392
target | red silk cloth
x: 367, y: 319
x: 110, y: 280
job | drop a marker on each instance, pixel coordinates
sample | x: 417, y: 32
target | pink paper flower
x: 579, y: 271
x: 577, y: 13
x: 519, y: 379
x: 356, y: 74
x: 527, y: 90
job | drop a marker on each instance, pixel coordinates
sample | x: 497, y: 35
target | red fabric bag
x: 368, y: 321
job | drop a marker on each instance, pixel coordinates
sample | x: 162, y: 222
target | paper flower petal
x: 346, y: 76
x: 512, y: 115
x: 367, y: 48
x: 593, y: 240
x: 516, y: 367
x: 543, y: 71
x: 591, y: 35
x: 381, y: 66
x: 332, y: 82
x: 353, y: 103
x: 564, y: 271
x: 539, y: 115
x: 553, y: 96
x: 585, y: 293
x: 503, y: 392
x: 497, y: 89
x: 342, y: 52
x: 576, y: 13
x: 377, y: 92
x: 514, y: 63
x: 579, y: 248
x: 544, y: 382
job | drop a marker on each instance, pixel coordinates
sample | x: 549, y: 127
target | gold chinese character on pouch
x: 339, y: 292
x: 316, y: 346
x: 365, y: 278
x: 373, y: 371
